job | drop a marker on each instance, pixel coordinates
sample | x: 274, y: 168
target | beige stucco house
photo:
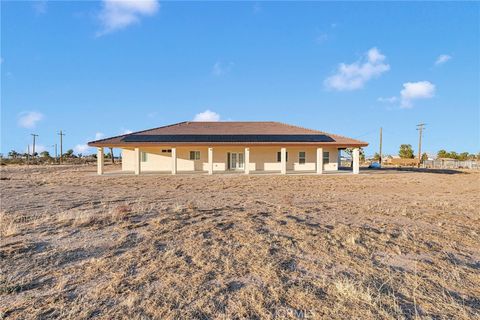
x: 214, y: 147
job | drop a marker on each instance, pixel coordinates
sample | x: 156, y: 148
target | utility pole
x: 420, y: 128
x: 380, y: 151
x: 28, y: 154
x: 33, y: 147
x: 61, y: 134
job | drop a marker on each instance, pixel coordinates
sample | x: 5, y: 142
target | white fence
x: 451, y: 164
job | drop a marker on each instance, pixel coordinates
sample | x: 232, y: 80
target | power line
x: 362, y: 135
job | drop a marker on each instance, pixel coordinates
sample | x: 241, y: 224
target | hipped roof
x: 228, y: 133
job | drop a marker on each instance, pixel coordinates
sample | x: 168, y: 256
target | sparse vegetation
x: 392, y: 245
x: 458, y: 156
x: 406, y: 151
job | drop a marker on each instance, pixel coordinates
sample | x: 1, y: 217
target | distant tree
x: 406, y: 151
x: 68, y: 154
x: 463, y: 156
x: 13, y: 154
x: 45, y: 154
x: 424, y: 157
x: 376, y: 156
x: 442, y: 154
x: 362, y: 155
x: 113, y: 156
x: 349, y: 151
x: 453, y: 155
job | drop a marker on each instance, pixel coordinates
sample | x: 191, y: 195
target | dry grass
x: 388, y: 246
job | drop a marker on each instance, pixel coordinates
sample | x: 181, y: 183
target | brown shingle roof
x: 256, y: 130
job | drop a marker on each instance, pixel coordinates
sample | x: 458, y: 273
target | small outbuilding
x: 215, y: 147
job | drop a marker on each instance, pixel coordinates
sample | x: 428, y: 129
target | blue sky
x: 98, y: 69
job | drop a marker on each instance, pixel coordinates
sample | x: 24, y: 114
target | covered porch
x: 231, y: 159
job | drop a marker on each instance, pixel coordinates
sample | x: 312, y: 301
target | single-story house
x: 229, y: 146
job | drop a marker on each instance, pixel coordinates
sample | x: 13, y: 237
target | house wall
x: 261, y: 159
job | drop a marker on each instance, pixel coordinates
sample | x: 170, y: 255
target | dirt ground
x: 391, y: 245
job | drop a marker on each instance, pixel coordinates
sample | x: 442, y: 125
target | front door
x: 237, y: 161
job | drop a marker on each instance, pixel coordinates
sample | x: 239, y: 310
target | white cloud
x: 220, y: 68
x: 388, y: 99
x: 99, y: 135
x: 207, y: 115
x: 354, y: 76
x: 126, y: 131
x: 416, y: 90
x: 81, y: 148
x: 29, y: 119
x: 40, y: 7
x: 119, y: 14
x: 442, y: 59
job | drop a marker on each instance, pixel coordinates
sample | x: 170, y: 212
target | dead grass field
x: 385, y: 246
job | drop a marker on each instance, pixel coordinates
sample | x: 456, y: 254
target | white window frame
x: 302, y: 159
x: 327, y: 154
x: 195, y: 154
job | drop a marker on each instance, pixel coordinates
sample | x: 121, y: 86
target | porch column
x: 247, y: 161
x: 356, y: 160
x: 174, y: 160
x: 210, y: 160
x: 137, y: 161
x: 283, y: 158
x: 339, y: 158
x: 319, y: 160
x: 100, y: 160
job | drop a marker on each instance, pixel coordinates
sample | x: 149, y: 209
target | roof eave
x: 152, y: 144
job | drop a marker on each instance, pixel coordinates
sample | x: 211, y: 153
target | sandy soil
x: 392, y: 245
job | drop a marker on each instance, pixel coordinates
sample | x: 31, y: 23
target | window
x: 279, y: 156
x: 301, y: 157
x: 326, y: 157
x: 194, y: 155
x: 143, y: 156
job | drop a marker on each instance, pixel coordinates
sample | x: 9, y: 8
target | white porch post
x: 339, y: 158
x: 174, y: 160
x: 283, y: 158
x: 100, y: 160
x: 247, y: 161
x: 356, y: 160
x: 137, y: 161
x: 210, y: 160
x: 319, y: 160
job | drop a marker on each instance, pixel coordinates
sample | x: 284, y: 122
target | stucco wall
x: 261, y: 159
